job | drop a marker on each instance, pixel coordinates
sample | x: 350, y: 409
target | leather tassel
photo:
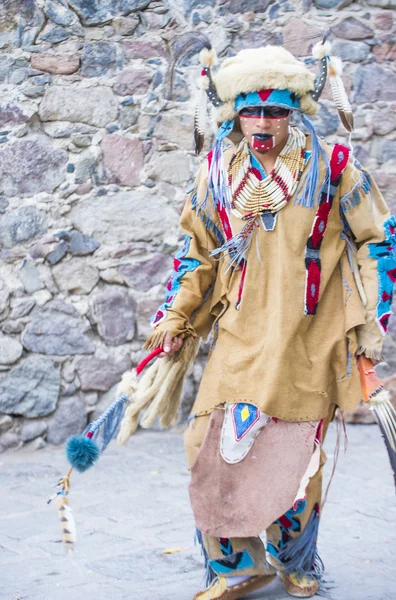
x: 339, y: 94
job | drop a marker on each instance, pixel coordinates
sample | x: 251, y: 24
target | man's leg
x: 292, y: 539
x: 233, y: 560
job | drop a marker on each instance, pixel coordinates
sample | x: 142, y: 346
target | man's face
x: 265, y: 127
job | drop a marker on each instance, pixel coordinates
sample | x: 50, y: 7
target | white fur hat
x: 270, y: 67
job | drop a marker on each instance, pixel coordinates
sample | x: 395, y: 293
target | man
x: 283, y: 261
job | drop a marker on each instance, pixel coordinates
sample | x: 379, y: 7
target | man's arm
x: 190, y: 285
x: 372, y: 229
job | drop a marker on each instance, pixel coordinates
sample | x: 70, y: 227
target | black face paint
x: 262, y: 142
x: 268, y: 112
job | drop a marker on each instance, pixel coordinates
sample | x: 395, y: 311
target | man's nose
x: 264, y: 121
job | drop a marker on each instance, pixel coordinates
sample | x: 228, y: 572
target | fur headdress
x: 252, y: 70
x: 268, y: 68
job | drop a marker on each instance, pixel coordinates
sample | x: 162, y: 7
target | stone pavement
x: 134, y: 505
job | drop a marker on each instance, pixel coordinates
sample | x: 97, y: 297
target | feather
x: 67, y: 521
x: 208, y: 57
x: 185, y: 44
x: 200, y: 123
x: 321, y: 49
x: 339, y: 94
x: 378, y: 401
x: 381, y: 406
x: 390, y: 450
x: 320, y: 79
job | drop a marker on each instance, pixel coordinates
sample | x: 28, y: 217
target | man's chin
x: 263, y: 142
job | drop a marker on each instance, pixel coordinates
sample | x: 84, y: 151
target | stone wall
x: 95, y: 159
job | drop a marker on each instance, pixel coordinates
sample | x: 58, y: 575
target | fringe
x: 370, y: 353
x: 210, y: 575
x: 156, y: 340
x: 217, y: 177
x: 310, y: 194
x: 352, y: 198
x: 300, y: 555
x: 206, y: 219
x: 238, y: 246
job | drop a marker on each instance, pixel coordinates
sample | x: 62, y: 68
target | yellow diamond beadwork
x: 245, y: 413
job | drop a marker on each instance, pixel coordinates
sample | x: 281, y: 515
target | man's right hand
x: 171, y: 345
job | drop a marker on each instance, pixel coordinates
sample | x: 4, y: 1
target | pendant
x: 269, y: 219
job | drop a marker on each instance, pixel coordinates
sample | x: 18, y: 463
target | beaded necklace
x: 252, y: 195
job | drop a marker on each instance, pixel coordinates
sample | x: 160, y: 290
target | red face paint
x: 262, y: 142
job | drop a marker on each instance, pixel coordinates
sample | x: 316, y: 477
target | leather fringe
x: 370, y: 353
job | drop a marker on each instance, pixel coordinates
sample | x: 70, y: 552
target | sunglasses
x: 268, y: 112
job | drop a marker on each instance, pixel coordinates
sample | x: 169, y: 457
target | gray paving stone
x: 134, y: 504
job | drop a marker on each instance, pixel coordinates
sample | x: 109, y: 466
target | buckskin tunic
x: 266, y: 351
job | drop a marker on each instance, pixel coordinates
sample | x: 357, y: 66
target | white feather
x: 335, y: 66
x: 321, y: 50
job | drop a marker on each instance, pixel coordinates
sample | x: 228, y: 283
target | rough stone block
x: 32, y: 429
x: 28, y: 167
x: 98, y: 58
x: 301, y: 44
x: 351, y: 51
x: 139, y: 215
x: 10, y: 350
x: 383, y: 19
x: 172, y: 167
x: 144, y: 274
x: 30, y: 277
x: 384, y: 121
x: 57, y: 64
x: 97, y: 12
x: 372, y: 83
x: 99, y: 374
x: 85, y: 166
x: 113, y: 311
x: 143, y: 48
x: 59, y: 13
x: 22, y: 224
x: 132, y: 82
x: 236, y: 6
x: 96, y: 106
x: 31, y: 388
x: 352, y: 29
x: 122, y: 160
x: 76, y: 276
x: 70, y: 418
x: 58, y: 329
x: 81, y: 245
x: 54, y: 35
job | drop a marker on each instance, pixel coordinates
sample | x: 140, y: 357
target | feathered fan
x: 378, y: 401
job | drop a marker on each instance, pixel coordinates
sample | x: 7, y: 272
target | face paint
x: 268, y: 112
x: 262, y: 142
x: 264, y: 127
